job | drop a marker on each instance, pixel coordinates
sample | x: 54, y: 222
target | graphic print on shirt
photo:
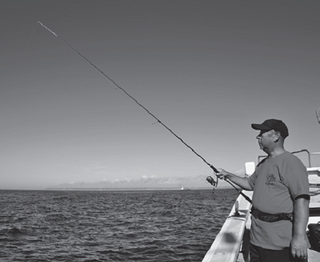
x: 271, y: 179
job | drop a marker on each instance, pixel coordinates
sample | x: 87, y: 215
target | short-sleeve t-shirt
x: 276, y: 183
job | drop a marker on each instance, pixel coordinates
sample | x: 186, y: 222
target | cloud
x: 144, y: 181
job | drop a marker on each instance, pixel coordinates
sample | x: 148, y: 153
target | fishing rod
x: 130, y: 96
x: 212, y: 181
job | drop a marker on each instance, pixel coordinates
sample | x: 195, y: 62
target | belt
x: 271, y: 217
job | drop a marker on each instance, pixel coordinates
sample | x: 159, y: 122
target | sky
x: 206, y: 69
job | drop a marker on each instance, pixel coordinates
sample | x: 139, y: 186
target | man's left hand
x: 299, y: 247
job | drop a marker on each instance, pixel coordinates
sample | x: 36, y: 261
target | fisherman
x: 280, y: 201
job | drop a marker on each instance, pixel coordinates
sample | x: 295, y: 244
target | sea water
x: 160, y: 226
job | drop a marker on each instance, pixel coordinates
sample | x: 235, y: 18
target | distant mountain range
x: 144, y: 182
x: 149, y: 182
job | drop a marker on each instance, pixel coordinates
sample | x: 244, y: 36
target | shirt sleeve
x: 251, y: 179
x: 296, y: 177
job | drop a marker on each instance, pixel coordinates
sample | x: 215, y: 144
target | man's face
x: 265, y: 139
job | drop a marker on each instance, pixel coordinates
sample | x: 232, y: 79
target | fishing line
x: 130, y: 96
x: 212, y: 182
x: 34, y: 30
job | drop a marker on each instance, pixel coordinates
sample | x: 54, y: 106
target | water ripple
x: 110, y: 226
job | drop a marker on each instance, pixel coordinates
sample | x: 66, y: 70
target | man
x: 280, y: 201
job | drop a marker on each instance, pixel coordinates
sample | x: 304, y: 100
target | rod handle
x: 214, y: 169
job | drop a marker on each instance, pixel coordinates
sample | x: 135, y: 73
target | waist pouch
x: 271, y: 217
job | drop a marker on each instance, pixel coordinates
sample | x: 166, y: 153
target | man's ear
x: 277, y: 136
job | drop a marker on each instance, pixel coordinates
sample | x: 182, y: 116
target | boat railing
x: 297, y: 152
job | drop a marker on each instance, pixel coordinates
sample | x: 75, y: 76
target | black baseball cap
x: 272, y: 124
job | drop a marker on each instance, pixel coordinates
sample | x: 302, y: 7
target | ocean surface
x: 160, y: 226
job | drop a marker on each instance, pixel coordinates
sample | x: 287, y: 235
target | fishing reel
x: 213, y: 182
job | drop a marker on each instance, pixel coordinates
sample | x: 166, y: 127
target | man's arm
x: 299, y: 242
x: 240, y: 181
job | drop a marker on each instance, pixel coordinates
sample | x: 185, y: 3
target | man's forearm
x: 299, y: 243
x: 240, y: 181
x: 301, y: 216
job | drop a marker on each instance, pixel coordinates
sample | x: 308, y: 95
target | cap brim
x: 260, y: 127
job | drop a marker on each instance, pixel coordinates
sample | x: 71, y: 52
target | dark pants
x: 259, y: 254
